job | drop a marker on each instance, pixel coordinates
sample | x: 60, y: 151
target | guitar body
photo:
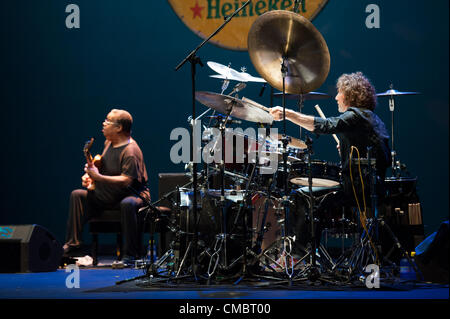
x: 97, y: 160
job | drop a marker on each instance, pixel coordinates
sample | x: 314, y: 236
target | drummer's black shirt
x: 360, y: 128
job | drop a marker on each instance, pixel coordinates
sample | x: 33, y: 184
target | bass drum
x: 211, y: 225
x: 266, y: 224
x: 274, y: 227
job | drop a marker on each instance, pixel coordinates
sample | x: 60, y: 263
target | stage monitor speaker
x: 432, y: 255
x: 28, y: 248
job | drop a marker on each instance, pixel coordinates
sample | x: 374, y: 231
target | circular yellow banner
x: 203, y: 17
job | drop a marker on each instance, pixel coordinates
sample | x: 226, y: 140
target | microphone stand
x: 194, y: 60
x: 296, y: 5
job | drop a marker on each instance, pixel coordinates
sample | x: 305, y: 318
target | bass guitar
x: 97, y: 160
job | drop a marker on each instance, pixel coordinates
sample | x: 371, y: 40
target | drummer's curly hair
x: 358, y: 90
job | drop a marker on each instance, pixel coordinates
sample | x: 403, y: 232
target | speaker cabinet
x: 28, y: 248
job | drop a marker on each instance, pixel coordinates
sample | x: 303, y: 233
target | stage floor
x: 107, y: 283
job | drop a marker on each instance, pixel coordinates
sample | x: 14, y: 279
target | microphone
x: 230, y: 120
x: 238, y: 87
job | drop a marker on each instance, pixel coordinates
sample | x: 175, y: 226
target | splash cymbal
x: 393, y: 92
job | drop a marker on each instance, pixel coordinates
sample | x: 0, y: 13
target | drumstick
x: 323, y: 116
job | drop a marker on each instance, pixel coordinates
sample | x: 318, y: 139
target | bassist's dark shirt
x: 124, y: 160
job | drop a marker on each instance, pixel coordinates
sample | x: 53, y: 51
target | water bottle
x: 406, y: 270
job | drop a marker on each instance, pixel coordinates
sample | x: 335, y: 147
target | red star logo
x: 197, y: 10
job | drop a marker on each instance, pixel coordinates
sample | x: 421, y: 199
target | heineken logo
x: 203, y: 17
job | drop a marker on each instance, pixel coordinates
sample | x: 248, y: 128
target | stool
x: 107, y: 222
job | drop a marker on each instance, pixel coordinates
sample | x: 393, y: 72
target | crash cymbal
x: 250, y: 78
x: 392, y: 92
x: 240, y: 109
x: 227, y: 73
x: 230, y: 77
x: 284, y: 35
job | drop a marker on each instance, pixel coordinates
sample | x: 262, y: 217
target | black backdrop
x: 58, y: 85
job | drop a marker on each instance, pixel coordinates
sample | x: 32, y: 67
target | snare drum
x: 324, y: 174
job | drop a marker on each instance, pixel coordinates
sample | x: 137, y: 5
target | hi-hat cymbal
x: 307, y: 96
x: 280, y: 35
x: 393, y: 92
x: 240, y: 109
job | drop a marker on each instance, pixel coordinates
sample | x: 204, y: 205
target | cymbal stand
x: 300, y: 103
x: 286, y: 251
x: 313, y: 270
x: 247, y: 206
x: 393, y: 152
x: 194, y: 60
x: 220, y: 244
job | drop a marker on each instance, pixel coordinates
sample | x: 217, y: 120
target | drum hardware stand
x: 285, y: 227
x: 245, y: 272
x: 321, y: 250
x: 220, y: 244
x: 359, y: 259
x: 155, y: 215
x: 311, y: 270
x: 194, y: 60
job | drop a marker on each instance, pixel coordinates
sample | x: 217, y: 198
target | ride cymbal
x: 240, y: 109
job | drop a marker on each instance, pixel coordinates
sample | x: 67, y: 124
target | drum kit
x: 252, y: 210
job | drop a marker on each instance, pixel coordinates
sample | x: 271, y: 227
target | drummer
x: 357, y: 126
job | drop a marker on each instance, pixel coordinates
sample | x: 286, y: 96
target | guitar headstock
x: 88, y: 145
x: 86, y: 148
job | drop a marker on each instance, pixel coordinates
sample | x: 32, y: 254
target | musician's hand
x: 86, y: 181
x: 92, y: 171
x: 339, y: 148
x: 277, y: 113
